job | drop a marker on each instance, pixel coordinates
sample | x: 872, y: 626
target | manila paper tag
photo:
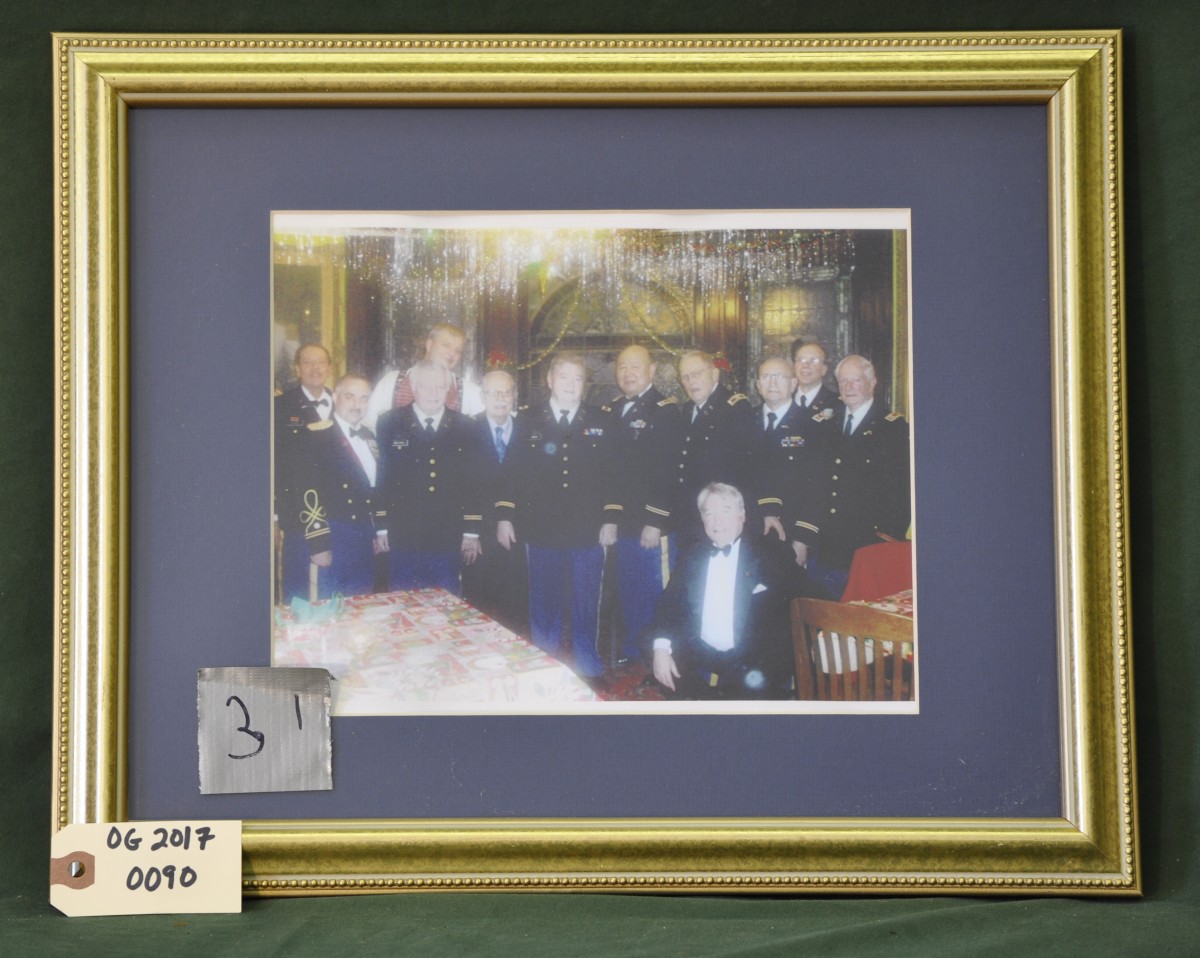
x: 146, y: 868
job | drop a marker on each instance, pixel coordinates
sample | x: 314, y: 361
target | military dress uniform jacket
x: 561, y: 486
x: 294, y: 410
x: 490, y: 473
x: 868, y: 489
x: 330, y: 485
x: 717, y: 447
x: 817, y: 419
x: 646, y: 438
x: 428, y: 496
x: 794, y: 471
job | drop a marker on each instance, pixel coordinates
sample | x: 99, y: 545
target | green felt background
x: 1162, y: 216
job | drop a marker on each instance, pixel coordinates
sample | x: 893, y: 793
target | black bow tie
x: 321, y: 402
x: 723, y: 550
x: 358, y: 433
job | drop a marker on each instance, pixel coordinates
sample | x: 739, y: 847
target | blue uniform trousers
x: 641, y: 578
x: 352, y: 571
x: 552, y: 573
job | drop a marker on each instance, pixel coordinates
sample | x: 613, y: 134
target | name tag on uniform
x: 594, y: 431
x: 399, y: 443
x: 791, y: 442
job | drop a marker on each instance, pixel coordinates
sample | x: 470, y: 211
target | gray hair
x: 865, y: 364
x: 721, y: 490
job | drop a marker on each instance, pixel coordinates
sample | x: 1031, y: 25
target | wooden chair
x: 840, y: 653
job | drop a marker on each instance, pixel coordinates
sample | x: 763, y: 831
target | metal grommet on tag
x: 76, y: 870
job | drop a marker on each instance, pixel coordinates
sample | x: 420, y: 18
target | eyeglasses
x: 773, y: 378
x: 809, y: 361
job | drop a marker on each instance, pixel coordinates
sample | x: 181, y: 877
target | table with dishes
x: 400, y: 653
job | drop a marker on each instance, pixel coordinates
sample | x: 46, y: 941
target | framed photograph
x: 445, y: 236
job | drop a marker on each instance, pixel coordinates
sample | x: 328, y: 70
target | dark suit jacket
x: 761, y: 620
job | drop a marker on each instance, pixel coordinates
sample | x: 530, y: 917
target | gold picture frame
x: 1091, y: 849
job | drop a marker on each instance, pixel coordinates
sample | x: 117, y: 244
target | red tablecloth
x: 879, y: 570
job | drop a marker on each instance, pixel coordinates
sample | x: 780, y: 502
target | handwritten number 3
x: 257, y: 736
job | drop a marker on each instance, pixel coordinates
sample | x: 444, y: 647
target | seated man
x: 722, y: 629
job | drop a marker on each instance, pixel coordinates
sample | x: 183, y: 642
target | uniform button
x: 352, y: 518
x: 433, y: 475
x: 433, y: 488
x: 566, y: 458
x: 688, y: 439
x: 681, y: 478
x: 566, y: 472
x: 838, y: 461
x: 868, y: 462
x: 685, y: 452
x: 833, y: 512
x: 791, y: 458
x: 835, y: 477
x: 834, y: 494
x: 566, y: 485
x: 345, y: 485
x: 565, y: 445
x: 433, y: 462
x: 681, y: 466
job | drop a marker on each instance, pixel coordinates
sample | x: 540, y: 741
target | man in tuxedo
x: 498, y: 581
x: 648, y: 429
x: 790, y: 460
x: 429, y: 514
x: 867, y: 492
x: 443, y: 345
x: 328, y: 513
x: 722, y: 629
x: 560, y: 504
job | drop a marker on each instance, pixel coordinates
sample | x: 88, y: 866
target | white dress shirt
x: 809, y: 397
x: 859, y: 415
x: 361, y: 449
x: 324, y: 409
x: 779, y: 414
x: 558, y: 410
x: 716, y: 617
x: 422, y: 416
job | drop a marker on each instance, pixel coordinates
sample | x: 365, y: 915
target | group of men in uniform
x: 719, y: 511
